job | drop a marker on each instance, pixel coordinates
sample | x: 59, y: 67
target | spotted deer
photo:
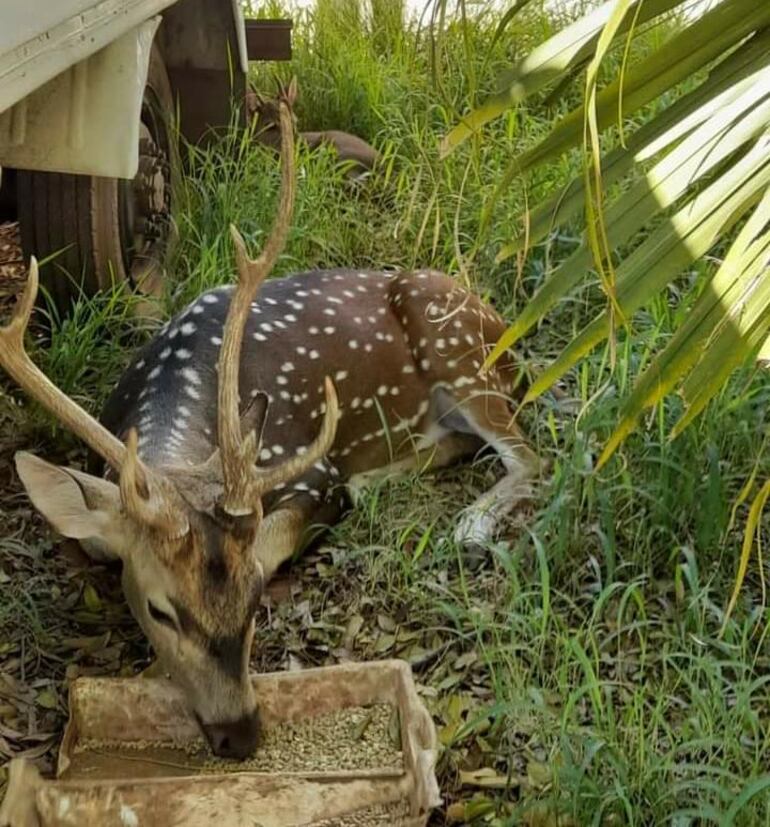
x: 358, y: 156
x: 239, y: 424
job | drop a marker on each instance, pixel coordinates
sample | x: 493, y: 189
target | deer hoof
x: 475, y: 531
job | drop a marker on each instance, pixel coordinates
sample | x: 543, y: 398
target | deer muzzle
x: 234, y: 739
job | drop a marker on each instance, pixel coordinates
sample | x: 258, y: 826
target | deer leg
x: 307, y: 507
x: 490, y: 418
x: 426, y: 456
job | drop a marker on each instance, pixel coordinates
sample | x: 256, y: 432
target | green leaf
x: 728, y: 292
x: 91, y: 598
x: 683, y: 238
x: 742, y: 70
x: 544, y: 64
x: 700, y: 43
x: 47, y: 699
x: 695, y: 157
x: 751, y: 530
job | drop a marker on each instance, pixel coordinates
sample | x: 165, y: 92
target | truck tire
x: 102, y: 231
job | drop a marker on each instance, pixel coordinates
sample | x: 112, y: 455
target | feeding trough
x: 343, y: 745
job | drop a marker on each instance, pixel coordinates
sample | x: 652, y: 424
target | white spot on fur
x: 191, y: 375
x: 128, y: 817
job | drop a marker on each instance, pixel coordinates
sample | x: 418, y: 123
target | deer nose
x: 234, y: 739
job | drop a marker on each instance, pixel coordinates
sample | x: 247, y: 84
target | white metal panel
x: 240, y: 33
x: 24, y: 19
x: 53, y: 43
x: 85, y: 120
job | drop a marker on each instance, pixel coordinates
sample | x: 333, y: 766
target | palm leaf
x: 570, y: 47
x: 685, y: 54
x: 707, y: 338
x: 729, y: 79
x: 729, y: 128
x: 685, y: 237
x: 708, y: 164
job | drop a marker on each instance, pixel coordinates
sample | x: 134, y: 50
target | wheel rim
x: 145, y: 203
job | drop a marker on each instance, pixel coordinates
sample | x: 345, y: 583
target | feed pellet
x: 376, y: 816
x: 355, y: 738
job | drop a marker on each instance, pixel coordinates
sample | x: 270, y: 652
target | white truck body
x: 72, y: 74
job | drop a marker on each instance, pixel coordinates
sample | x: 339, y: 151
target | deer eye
x: 160, y: 616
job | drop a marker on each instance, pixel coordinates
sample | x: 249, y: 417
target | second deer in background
x: 358, y: 157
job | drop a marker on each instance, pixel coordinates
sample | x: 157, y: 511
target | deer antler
x: 244, y: 483
x: 145, y: 496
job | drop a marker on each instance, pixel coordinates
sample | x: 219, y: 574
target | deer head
x: 193, y: 540
x: 266, y: 113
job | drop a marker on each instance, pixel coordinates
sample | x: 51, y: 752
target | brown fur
x: 359, y: 156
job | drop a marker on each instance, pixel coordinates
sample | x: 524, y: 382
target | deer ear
x: 77, y: 505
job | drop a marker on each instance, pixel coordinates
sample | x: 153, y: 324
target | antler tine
x: 239, y: 456
x: 269, y: 478
x: 156, y: 511
x: 15, y: 360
